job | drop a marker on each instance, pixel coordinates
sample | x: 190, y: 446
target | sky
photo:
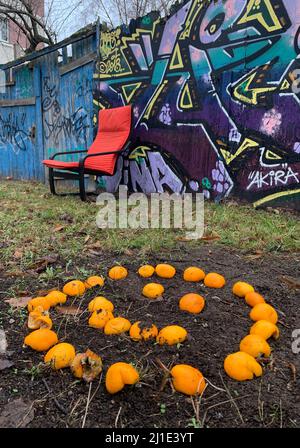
x: 68, y: 16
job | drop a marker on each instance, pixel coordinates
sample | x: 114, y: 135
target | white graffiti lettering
x: 273, y: 178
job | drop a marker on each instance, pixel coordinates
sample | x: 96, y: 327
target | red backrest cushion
x: 114, y: 126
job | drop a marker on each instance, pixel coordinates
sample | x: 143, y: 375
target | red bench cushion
x: 60, y: 165
x: 113, y: 132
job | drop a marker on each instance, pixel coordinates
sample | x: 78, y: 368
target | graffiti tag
x: 63, y: 126
x: 12, y: 132
x: 274, y: 178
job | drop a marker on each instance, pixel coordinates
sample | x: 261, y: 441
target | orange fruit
x: 214, y: 280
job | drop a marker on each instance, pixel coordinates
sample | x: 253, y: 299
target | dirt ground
x: 270, y: 401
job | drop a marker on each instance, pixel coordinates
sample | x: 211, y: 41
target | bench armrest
x: 67, y: 152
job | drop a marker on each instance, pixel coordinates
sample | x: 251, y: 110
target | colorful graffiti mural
x: 213, y: 96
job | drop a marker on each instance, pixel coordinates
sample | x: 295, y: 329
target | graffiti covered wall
x: 213, y: 101
x: 67, y: 109
x: 46, y: 106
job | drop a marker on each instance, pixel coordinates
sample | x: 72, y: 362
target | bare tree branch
x: 25, y: 16
x: 122, y: 11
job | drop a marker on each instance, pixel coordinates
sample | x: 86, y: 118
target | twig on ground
x: 211, y: 397
x: 58, y: 405
x: 283, y: 324
x: 166, y: 374
x: 215, y: 387
x: 141, y: 308
x: 127, y: 311
x: 196, y: 406
x: 219, y: 404
x: 76, y: 405
x: 104, y: 348
x: 87, y: 406
x: 260, y: 404
x: 98, y: 386
x: 232, y: 400
x: 29, y: 410
x: 146, y: 355
x: 117, y: 417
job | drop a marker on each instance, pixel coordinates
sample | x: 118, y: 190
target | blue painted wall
x: 59, y: 116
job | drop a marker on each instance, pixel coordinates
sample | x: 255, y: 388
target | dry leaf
x: 293, y: 370
x: 211, y: 237
x: 66, y: 217
x: 292, y: 282
x: 69, y: 310
x: 95, y: 245
x: 183, y: 238
x: 94, y: 253
x: 18, y: 254
x: 128, y: 252
x: 205, y: 238
x: 58, y: 228
x: 41, y: 264
x: 86, y: 239
x: 18, y: 302
x: 258, y: 254
x: 5, y: 364
x: 16, y: 414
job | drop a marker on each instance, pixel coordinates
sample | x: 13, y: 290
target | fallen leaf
x: 86, y: 239
x: 66, y: 217
x: 258, y: 254
x: 3, y: 342
x: 16, y: 414
x: 94, y: 253
x: 128, y: 252
x: 18, y: 302
x: 183, y: 238
x: 41, y: 264
x: 211, y: 237
x: 292, y: 282
x: 293, y: 370
x: 18, y: 254
x: 58, y: 228
x: 96, y: 245
x: 5, y: 364
x: 69, y: 310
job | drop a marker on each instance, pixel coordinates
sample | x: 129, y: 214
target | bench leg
x: 82, y: 186
x: 51, y: 181
x: 80, y: 177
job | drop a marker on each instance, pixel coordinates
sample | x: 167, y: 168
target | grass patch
x: 34, y: 223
